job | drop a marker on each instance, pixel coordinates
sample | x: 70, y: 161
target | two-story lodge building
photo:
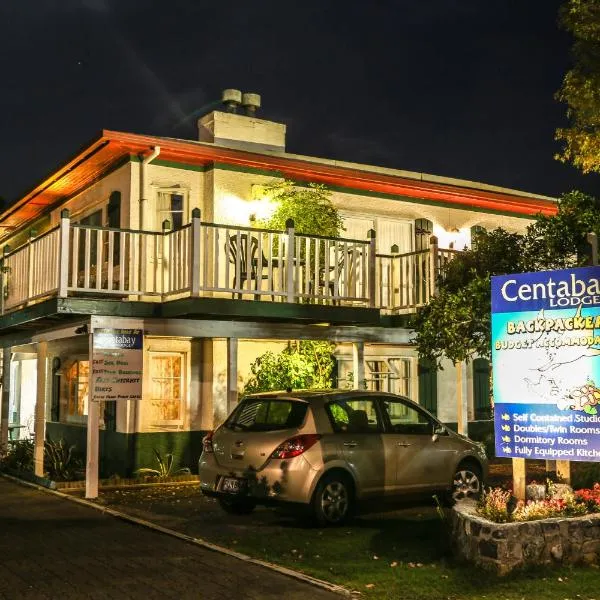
x: 154, y: 234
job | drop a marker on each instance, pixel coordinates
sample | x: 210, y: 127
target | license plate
x: 231, y: 485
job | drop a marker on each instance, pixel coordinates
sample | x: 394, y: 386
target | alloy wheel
x: 335, y: 501
x: 466, y: 484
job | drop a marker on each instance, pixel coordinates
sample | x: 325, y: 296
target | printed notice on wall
x: 117, y: 364
x: 546, y: 364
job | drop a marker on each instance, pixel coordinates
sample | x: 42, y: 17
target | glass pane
x: 265, y: 414
x: 354, y: 416
x: 407, y: 419
x: 165, y: 387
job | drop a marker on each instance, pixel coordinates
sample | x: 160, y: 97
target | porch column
x: 358, y: 365
x: 462, y: 400
x: 232, y: 373
x: 93, y: 434
x: 4, y: 408
x: 39, y: 426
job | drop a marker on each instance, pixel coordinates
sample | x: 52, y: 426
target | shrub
x: 494, y: 505
x: 590, y: 497
x: 165, y: 467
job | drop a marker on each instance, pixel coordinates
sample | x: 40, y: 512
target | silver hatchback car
x: 334, y: 450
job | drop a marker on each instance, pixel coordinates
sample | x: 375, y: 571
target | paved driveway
x: 51, y: 548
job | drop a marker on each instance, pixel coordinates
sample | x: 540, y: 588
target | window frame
x: 388, y: 425
x: 77, y: 418
x: 368, y: 398
x: 171, y: 191
x: 183, y: 400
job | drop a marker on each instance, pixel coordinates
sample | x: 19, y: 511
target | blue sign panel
x: 546, y: 364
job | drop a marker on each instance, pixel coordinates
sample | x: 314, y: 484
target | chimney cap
x: 231, y: 98
x: 251, y: 102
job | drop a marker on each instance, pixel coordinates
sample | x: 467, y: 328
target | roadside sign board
x: 117, y: 364
x: 546, y: 364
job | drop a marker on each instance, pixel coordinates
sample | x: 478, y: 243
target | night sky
x: 461, y: 88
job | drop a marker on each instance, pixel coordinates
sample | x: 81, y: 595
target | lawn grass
x: 401, y: 555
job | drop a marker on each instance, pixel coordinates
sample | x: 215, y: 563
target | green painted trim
x: 107, y: 308
x: 369, y: 194
x: 176, y: 165
x: 268, y: 311
x: 134, y: 158
x: 29, y: 314
x: 250, y: 170
x: 400, y: 321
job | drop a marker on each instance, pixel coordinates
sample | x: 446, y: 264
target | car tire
x: 333, y: 500
x: 237, y: 506
x: 467, y: 482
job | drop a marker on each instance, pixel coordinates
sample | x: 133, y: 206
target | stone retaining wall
x: 502, y: 547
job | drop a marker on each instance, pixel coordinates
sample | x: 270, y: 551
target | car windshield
x: 267, y: 414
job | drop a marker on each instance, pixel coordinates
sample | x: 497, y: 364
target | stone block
x: 488, y: 549
x: 535, y: 491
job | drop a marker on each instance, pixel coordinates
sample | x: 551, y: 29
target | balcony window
x: 171, y: 207
x: 166, y: 388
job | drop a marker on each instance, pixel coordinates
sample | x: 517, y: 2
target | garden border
x: 502, y: 547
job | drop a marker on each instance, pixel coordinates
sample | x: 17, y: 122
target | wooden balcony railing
x: 212, y: 260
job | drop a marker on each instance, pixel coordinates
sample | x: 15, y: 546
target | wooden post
x: 563, y: 470
x: 166, y: 257
x: 4, y: 408
x: 358, y: 363
x: 232, y: 374
x: 63, y: 254
x: 519, y: 476
x: 433, y: 265
x: 39, y: 425
x: 592, y: 240
x: 462, y: 415
x: 289, y: 260
x: 93, y: 434
x: 194, y: 260
x: 372, y: 268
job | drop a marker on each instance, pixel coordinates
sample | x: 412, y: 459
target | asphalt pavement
x: 52, y: 548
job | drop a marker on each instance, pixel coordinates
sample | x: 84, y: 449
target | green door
x: 428, y: 386
x: 481, y: 389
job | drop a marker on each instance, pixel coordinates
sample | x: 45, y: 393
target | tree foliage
x: 581, y: 86
x: 456, y: 323
x: 302, y: 365
x: 310, y: 207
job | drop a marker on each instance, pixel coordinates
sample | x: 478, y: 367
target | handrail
x: 29, y: 241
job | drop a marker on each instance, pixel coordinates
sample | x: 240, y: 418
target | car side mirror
x: 437, y: 431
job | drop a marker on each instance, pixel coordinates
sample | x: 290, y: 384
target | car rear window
x: 267, y: 414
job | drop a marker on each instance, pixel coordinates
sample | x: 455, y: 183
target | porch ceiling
x: 111, y: 148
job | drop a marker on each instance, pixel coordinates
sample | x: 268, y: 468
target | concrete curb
x: 331, y: 587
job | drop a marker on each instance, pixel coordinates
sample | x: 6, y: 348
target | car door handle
x: 403, y: 444
x: 350, y: 444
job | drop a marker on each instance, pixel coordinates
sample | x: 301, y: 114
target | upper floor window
x: 172, y: 207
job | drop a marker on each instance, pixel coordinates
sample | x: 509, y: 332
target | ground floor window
x: 78, y: 388
x: 166, y: 388
x: 382, y: 374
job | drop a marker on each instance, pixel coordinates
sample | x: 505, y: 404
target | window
x: 166, y: 388
x: 171, y: 207
x: 406, y: 419
x: 354, y: 415
x: 265, y: 414
x: 78, y: 382
x: 385, y: 374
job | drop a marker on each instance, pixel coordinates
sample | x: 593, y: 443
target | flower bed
x: 502, y: 534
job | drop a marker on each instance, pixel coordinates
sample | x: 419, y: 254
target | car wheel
x: 467, y: 482
x: 237, y: 506
x: 333, y: 500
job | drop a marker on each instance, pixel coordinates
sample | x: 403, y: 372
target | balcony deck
x: 216, y: 261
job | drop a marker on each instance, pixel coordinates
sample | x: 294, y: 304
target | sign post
x: 117, y: 367
x: 546, y: 363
